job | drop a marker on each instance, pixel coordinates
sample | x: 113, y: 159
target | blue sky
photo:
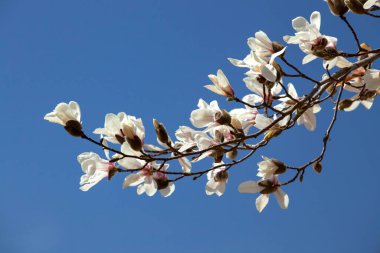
x: 151, y: 59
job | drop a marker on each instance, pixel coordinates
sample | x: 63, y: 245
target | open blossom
x: 67, y: 115
x: 95, y: 169
x: 148, y: 180
x: 366, y: 96
x: 270, y: 167
x: 63, y: 113
x: 265, y: 188
x: 257, y: 85
x: 314, y: 44
x: 217, y: 180
x: 247, y: 115
x: 308, y: 116
x: 220, y: 85
x: 121, y: 127
x: 209, y: 115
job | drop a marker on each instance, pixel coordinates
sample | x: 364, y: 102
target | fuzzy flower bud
x: 162, y: 135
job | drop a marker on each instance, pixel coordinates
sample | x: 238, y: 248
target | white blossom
x: 314, y: 44
x: 64, y: 113
x: 269, y: 167
x: 148, y: 180
x: 217, y: 180
x: 265, y: 188
x: 118, y: 128
x: 220, y: 85
x: 95, y: 169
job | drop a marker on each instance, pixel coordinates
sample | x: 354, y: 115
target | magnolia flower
x: 265, y: 187
x: 314, y: 44
x: 262, y: 122
x: 308, y: 116
x: 148, y: 181
x: 67, y: 115
x: 220, y: 85
x: 186, y: 137
x: 270, y: 167
x: 246, y: 116
x: 256, y: 84
x: 121, y: 127
x: 209, y: 115
x: 261, y: 45
x: 371, y: 3
x: 217, y: 180
x: 366, y: 96
x: 95, y: 169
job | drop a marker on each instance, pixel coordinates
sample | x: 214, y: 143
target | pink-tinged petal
x: 282, y: 198
x: 249, y: 187
x: 133, y: 180
x: 262, y: 202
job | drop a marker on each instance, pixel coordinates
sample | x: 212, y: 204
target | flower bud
x: 161, y: 133
x: 269, y: 187
x: 221, y: 176
x: 317, y: 167
x: 162, y: 182
x: 356, y: 6
x: 111, y: 173
x: 277, y: 47
x: 272, y: 133
x: 223, y: 117
x: 232, y: 154
x: 218, y: 155
x: 337, y: 7
x: 344, y: 104
x: 281, y: 166
x: 236, y: 124
x: 74, y: 128
x: 132, y: 139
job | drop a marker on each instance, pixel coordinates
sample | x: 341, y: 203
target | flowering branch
x: 226, y: 137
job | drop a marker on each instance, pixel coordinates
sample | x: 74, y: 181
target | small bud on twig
x: 74, y: 128
x: 161, y: 133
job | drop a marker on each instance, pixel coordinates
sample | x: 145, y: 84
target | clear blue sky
x: 151, y: 59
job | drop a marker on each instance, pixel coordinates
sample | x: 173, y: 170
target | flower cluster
x: 230, y: 137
